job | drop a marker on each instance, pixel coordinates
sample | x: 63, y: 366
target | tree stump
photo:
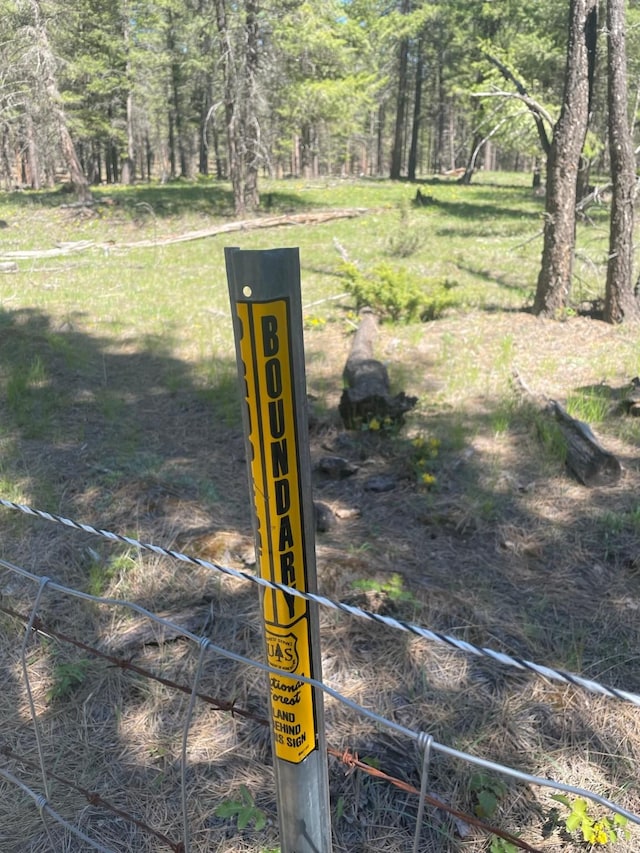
x: 367, y: 395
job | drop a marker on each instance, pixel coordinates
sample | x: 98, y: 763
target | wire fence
x: 41, y: 793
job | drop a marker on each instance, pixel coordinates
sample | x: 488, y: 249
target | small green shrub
x: 390, y: 292
x: 551, y: 438
x: 67, y: 677
x: 243, y: 810
x: 406, y: 237
x: 394, y: 294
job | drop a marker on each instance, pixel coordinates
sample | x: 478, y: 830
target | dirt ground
x: 465, y: 521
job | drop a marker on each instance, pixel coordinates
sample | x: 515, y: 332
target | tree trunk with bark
x: 417, y: 113
x: 554, y: 280
x: 401, y: 105
x: 621, y: 303
x: 79, y: 182
x: 240, y: 97
x: 128, y: 169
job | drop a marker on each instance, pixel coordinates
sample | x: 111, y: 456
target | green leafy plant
x: 376, y: 424
x: 500, y: 845
x: 488, y: 792
x: 595, y: 832
x: 551, y: 438
x: 30, y: 398
x: 67, y: 677
x: 243, y: 810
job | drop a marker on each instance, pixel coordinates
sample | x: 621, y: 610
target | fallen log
x: 587, y: 460
x: 585, y: 457
x: 308, y: 218
x: 367, y: 397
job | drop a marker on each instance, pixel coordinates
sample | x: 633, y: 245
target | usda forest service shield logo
x: 283, y: 651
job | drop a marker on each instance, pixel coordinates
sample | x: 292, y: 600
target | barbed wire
x: 345, y: 756
x: 46, y: 582
x: 539, y: 670
x: 44, y: 807
x: 93, y: 798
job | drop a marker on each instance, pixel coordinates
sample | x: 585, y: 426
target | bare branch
x: 540, y: 115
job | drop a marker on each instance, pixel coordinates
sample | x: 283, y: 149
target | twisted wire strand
x: 539, y: 670
x: 27, y: 683
x: 359, y: 709
x: 204, y: 646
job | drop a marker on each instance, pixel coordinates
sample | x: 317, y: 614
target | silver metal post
x: 264, y: 288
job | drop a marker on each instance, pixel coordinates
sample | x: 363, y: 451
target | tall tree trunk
x: 7, y: 171
x: 176, y: 100
x: 32, y: 154
x: 128, y: 170
x: 306, y: 151
x: 203, y: 144
x: 401, y: 110
x: 148, y: 155
x: 172, y: 147
x: 380, y: 140
x: 240, y: 100
x: 478, y: 141
x: 441, y: 117
x: 250, y: 102
x: 554, y: 280
x: 417, y: 117
x: 79, y: 182
x: 621, y: 303
x: 230, y: 113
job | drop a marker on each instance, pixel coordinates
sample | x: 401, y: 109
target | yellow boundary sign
x: 265, y: 352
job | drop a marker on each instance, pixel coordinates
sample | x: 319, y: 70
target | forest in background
x: 344, y: 87
x: 122, y: 90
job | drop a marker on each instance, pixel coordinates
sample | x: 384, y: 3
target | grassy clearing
x: 119, y: 407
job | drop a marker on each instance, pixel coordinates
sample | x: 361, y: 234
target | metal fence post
x: 264, y: 289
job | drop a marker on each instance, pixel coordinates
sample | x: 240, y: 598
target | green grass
x: 591, y: 405
x: 479, y: 239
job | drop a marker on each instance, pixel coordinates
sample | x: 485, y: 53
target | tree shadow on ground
x: 164, y: 200
x: 476, y: 210
x: 124, y: 439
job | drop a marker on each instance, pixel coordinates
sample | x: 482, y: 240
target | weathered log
x: 310, y: 218
x: 587, y: 460
x: 367, y: 395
